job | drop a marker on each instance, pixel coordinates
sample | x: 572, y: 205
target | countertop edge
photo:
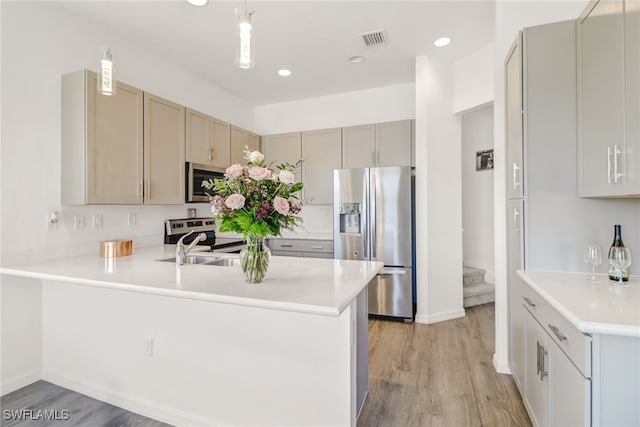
x: 586, y: 327
x: 240, y: 301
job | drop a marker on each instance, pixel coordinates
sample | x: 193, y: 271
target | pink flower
x: 257, y: 173
x: 281, y: 205
x: 235, y: 201
x: 286, y: 177
x: 234, y: 171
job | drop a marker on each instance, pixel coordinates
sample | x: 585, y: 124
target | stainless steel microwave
x: 195, y: 174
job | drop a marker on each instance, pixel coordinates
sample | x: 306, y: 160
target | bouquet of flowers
x: 256, y: 201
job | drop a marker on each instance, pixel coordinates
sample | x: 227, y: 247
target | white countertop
x: 594, y: 308
x: 287, y: 234
x: 305, y: 285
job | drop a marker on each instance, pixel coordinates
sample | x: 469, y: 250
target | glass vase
x: 254, y: 259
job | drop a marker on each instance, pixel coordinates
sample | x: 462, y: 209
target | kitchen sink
x: 205, y: 260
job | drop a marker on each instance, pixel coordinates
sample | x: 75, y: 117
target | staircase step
x: 478, y: 293
x: 472, y: 275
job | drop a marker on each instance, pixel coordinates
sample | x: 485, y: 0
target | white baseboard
x: 501, y: 366
x: 439, y: 317
x: 130, y: 402
x: 17, y: 382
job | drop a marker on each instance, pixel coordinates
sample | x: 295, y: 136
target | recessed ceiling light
x: 442, y: 41
x: 284, y: 72
x: 356, y: 59
x: 198, y: 2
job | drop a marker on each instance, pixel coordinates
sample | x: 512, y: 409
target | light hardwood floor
x: 439, y: 375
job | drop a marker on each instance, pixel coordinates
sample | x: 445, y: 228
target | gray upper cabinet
x: 608, y: 73
x: 514, y: 109
x: 321, y: 155
x: 379, y: 144
x: 394, y: 143
x: 102, y: 143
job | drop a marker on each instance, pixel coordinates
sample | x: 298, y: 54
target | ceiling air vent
x: 374, y: 38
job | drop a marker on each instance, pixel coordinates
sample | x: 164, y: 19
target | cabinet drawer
x: 322, y: 246
x: 575, y: 344
x: 286, y: 253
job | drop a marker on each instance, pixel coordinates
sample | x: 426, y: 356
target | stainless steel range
x: 174, y: 229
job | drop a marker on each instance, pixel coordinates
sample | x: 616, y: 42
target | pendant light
x: 107, y: 71
x: 244, y: 38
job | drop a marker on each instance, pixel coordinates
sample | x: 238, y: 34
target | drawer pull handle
x: 557, y: 332
x: 531, y: 303
x: 317, y: 247
x: 286, y: 246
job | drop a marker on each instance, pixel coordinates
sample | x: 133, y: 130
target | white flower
x: 235, y: 201
x: 281, y: 205
x: 255, y: 157
x: 295, y: 203
x: 287, y: 177
x: 234, y: 171
x: 257, y: 173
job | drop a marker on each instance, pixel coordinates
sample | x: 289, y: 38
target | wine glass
x: 593, y: 257
x: 620, y: 258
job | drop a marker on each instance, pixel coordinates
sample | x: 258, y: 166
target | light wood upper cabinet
x: 394, y: 143
x: 282, y: 148
x: 164, y: 134
x: 208, y: 140
x: 102, y: 142
x: 379, y: 144
x: 321, y: 154
x: 608, y: 89
x: 239, y: 139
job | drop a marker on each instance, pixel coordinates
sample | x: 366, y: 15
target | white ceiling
x: 313, y: 39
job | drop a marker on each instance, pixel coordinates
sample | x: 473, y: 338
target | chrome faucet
x: 182, y: 251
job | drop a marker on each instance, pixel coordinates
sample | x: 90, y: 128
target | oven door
x: 195, y: 175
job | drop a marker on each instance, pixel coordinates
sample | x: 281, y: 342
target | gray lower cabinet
x: 316, y: 248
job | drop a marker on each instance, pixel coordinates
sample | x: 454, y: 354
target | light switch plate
x: 78, y: 222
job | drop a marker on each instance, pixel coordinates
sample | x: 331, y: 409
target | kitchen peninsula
x: 195, y: 345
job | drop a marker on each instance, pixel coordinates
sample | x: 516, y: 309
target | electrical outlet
x: 78, y: 222
x: 148, y: 346
x: 132, y: 218
x: 97, y: 221
x: 51, y: 221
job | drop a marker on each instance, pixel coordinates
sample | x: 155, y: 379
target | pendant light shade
x: 244, y: 39
x: 107, y: 74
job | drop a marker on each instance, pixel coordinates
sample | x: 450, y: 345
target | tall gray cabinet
x: 540, y: 76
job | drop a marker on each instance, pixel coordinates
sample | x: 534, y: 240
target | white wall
x: 510, y: 17
x: 438, y: 194
x: 477, y: 192
x: 40, y: 42
x: 382, y: 104
x: 474, y: 79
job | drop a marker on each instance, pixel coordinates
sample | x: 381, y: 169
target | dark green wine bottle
x: 614, y: 273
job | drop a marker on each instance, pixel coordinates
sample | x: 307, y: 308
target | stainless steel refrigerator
x: 374, y: 220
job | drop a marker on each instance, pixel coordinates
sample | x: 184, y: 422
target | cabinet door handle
x: 557, y: 332
x: 210, y: 156
x: 140, y: 189
x: 616, y: 164
x: 148, y: 192
x: 537, y: 358
x: 516, y: 169
x: 373, y: 157
x: 528, y: 301
x: 286, y: 246
x: 317, y: 246
x: 543, y: 373
x: 608, y: 165
x: 516, y: 215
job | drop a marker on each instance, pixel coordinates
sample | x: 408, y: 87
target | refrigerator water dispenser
x: 350, y: 218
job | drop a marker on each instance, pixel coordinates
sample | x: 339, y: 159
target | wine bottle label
x: 614, y: 273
